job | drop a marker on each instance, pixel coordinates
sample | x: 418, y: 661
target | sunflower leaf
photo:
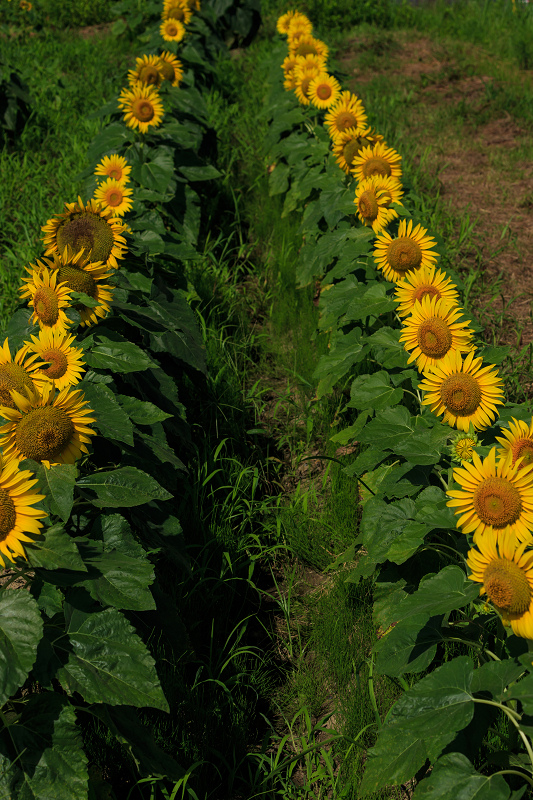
x: 111, y: 419
x: 119, y: 356
x: 124, y: 487
x: 21, y: 629
x: 454, y: 776
x: 140, y: 411
x: 54, y: 549
x: 57, y: 483
x: 83, y: 299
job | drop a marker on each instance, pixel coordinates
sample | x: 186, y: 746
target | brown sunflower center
x: 434, y: 337
x: 142, y: 109
x: 89, y: 232
x: 497, y: 502
x: 8, y: 514
x: 324, y: 91
x: 114, y: 198
x: 350, y: 150
x: 43, y: 433
x: 58, y: 363
x: 404, y: 254
x: 523, y: 447
x: 12, y: 377
x: 46, y: 305
x: 368, y: 205
x: 116, y: 173
x: 344, y: 120
x: 461, y: 394
x: 171, y: 29
x: 167, y: 70
x: 177, y: 13
x: 306, y: 49
x: 77, y: 279
x: 150, y: 74
x: 304, y: 85
x: 425, y: 290
x: 507, y: 586
x: 376, y: 166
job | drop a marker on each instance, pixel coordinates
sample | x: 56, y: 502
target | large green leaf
x: 123, y: 487
x: 443, y: 592
x: 424, y: 446
x: 409, y: 647
x: 20, y: 328
x: 495, y: 676
x: 117, y: 356
x: 454, y: 778
x: 373, y: 303
x: 389, y: 428
x: 55, y: 549
x: 111, y: 419
x: 346, y: 351
x: 120, y: 580
x: 57, y: 483
x: 115, y: 533
x: 140, y: 411
x: 389, y: 530
x: 395, y: 758
x: 21, y: 628
x: 108, y: 662
x: 374, y: 391
x: 158, y: 171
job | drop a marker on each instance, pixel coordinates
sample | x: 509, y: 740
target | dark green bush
x: 75, y: 13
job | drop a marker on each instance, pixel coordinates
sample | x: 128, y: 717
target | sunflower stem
x: 372, y: 693
x: 514, y: 772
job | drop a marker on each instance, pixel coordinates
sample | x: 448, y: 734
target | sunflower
x: 377, y: 159
x: 307, y: 44
x: 147, y: 70
x: 89, y: 228
x: 410, y: 250
x: 324, y: 90
x: 48, y: 298
x: 433, y: 330
x: 504, y: 568
x: 303, y: 75
x: 518, y: 440
x: 172, y: 30
x: 171, y: 67
x: 288, y: 65
x: 373, y: 197
x: 181, y: 13
x: 114, y: 195
x: 142, y: 106
x: 49, y: 427
x: 349, y: 144
x: 16, y: 373
x: 423, y: 282
x: 65, y: 362
x: 114, y: 166
x: 296, y: 31
x: 348, y: 112
x: 465, y: 392
x: 17, y: 515
x: 494, y: 496
x: 299, y: 21
x: 463, y: 445
x: 284, y: 21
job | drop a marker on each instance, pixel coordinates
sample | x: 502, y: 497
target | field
x: 246, y: 582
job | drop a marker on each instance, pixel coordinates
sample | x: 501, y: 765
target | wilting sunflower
x: 90, y: 228
x: 349, y: 144
x: 181, y: 13
x: 49, y: 298
x: 171, y: 67
x: 463, y: 445
x: 324, y: 90
x: 433, y: 330
x: 347, y: 113
x: 518, y: 440
x: 172, y: 30
x: 114, y: 195
x: 17, y: 515
x: 63, y: 363
x: 377, y: 159
x: 423, y: 282
x: 373, y: 198
x: 303, y: 75
x: 465, y: 392
x: 16, y: 373
x: 147, y: 70
x: 142, y: 106
x: 307, y: 45
x: 494, y: 496
x: 114, y: 166
x: 49, y: 427
x: 504, y: 567
x: 410, y: 250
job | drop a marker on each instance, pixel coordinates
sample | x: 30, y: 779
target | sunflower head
x: 172, y: 30
x: 115, y: 167
x: 171, y: 67
x: 142, y: 107
x: 463, y: 445
x: 324, y: 90
x: 377, y: 159
x: 147, y: 70
x: 401, y: 256
x: 517, y: 440
x: 507, y: 586
x: 113, y: 195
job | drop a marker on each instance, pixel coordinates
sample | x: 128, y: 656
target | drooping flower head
x: 433, y: 330
x: 179, y: 12
x: 423, y: 282
x: 348, y: 112
x: 18, y: 516
x: 49, y: 427
x: 147, y: 70
x: 324, y: 90
x: 115, y: 167
x: 373, y: 198
x: 377, y: 159
x: 16, y: 373
x: 48, y: 297
x: 142, y: 106
x: 63, y: 363
x: 172, y: 30
x: 113, y: 195
x: 517, y: 440
x: 349, y: 144
x: 171, y: 67
x: 90, y: 228
x: 407, y: 252
x: 463, y: 391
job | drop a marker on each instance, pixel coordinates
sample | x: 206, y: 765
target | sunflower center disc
x: 8, y: 514
x: 404, y: 254
x: 46, y: 305
x: 114, y: 198
x: 425, y: 290
x: 304, y: 84
x: 176, y: 13
x: 58, y: 365
x: 77, y: 279
x: 115, y: 173
x: 523, y: 447
x: 507, y: 586
x: 149, y: 74
x: 461, y: 394
x: 12, y: 377
x: 168, y: 72
x: 376, y: 166
x: 43, y: 433
x: 434, y: 337
x: 368, y: 205
x: 345, y: 120
x: 172, y: 30
x: 324, y: 91
x: 143, y: 110
x: 306, y: 49
x: 89, y: 232
x: 497, y: 502
x: 350, y: 150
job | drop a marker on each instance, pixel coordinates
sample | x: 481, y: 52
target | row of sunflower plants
x: 444, y: 467
x: 95, y: 438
